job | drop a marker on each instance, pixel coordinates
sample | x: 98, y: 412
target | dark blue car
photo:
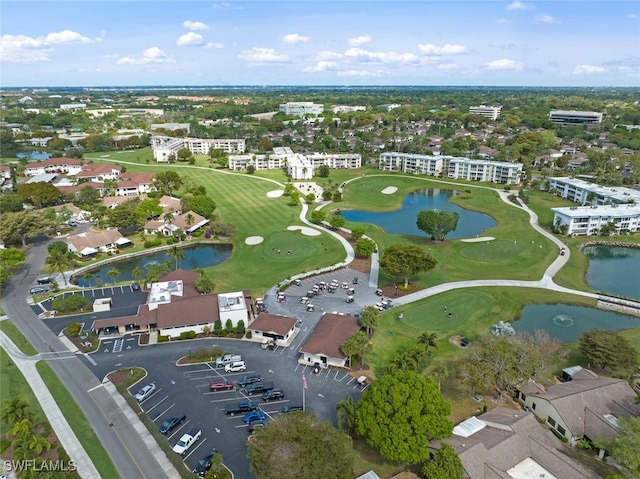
x: 253, y: 416
x: 171, y: 422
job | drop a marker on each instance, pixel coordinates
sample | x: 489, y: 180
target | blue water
x: 201, y: 256
x: 566, y: 322
x: 614, y: 270
x: 34, y: 155
x: 403, y: 221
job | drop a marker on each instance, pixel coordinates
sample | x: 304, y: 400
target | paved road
x: 117, y: 431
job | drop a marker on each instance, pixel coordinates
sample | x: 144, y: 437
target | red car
x: 221, y: 385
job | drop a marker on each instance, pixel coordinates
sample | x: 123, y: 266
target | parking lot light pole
x: 304, y: 388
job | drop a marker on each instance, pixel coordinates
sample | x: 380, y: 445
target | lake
x: 566, y: 322
x: 614, y: 270
x: 201, y: 256
x: 34, y: 155
x: 403, y: 221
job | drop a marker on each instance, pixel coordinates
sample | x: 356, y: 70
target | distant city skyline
x: 309, y: 42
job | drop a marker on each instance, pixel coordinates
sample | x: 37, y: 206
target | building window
x: 523, y: 396
x: 561, y: 430
x: 551, y: 421
x: 533, y: 406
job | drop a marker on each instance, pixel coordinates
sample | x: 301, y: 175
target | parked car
x: 242, y: 407
x: 39, y: 289
x: 171, y: 422
x: 236, y: 366
x: 248, y: 379
x: 287, y: 409
x: 253, y: 416
x: 253, y: 425
x: 221, y: 384
x: 273, y: 394
x: 145, y: 392
x: 204, y: 464
x: 222, y: 361
x: 258, y: 388
x: 45, y: 280
x: 187, y: 440
x: 135, y: 286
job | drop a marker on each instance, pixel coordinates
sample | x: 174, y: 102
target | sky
x: 317, y: 43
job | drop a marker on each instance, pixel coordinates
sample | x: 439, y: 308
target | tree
x: 177, y: 254
x: 299, y: 445
x: 624, y: 448
x: 365, y: 247
x: 349, y: 348
x: 607, y: 349
x: 166, y: 182
x: 125, y: 215
x: 251, y: 169
x: 399, y: 414
x: 87, y: 276
x: 445, y: 465
x: 37, y: 444
x: 437, y: 223
x: 428, y: 340
x: 184, y: 154
x: 22, y: 428
x: 149, y: 208
x: 404, y: 261
x: 337, y: 221
x: 204, y: 284
x: 11, y: 203
x: 323, y: 171
x: 18, y: 227
x: 39, y: 194
x: 14, y: 410
x: 61, y: 261
x: 201, y: 204
x: 359, y: 344
x: 189, y: 220
x: 137, y: 273
x: 318, y: 216
x: 357, y: 232
x: 113, y: 273
x: 87, y: 196
x: 369, y: 319
x: 346, y: 412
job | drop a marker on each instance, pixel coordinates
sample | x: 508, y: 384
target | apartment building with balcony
x: 165, y: 147
x: 583, y: 192
x: 491, y: 112
x: 301, y: 108
x: 589, y: 220
x: 571, y: 117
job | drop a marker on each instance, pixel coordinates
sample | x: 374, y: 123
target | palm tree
x: 14, y: 410
x: 60, y: 261
x: 37, y: 444
x: 87, y: 277
x: 369, y: 319
x: 21, y: 429
x: 189, y: 220
x: 177, y: 254
x: 346, y: 411
x: 349, y: 348
x: 137, y: 273
x: 440, y: 372
x: 363, y: 344
x: 428, y: 340
x: 113, y: 273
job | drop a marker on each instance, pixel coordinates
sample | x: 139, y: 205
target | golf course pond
x: 201, y: 256
x: 403, y: 221
x: 613, y: 269
x: 565, y: 322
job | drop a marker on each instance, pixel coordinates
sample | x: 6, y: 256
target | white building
x: 299, y: 167
x: 301, y: 108
x: 166, y: 147
x: 452, y: 167
x: 581, y: 191
x: 571, y: 117
x: 588, y: 220
x: 491, y: 112
x: 171, y: 126
x: 347, y: 108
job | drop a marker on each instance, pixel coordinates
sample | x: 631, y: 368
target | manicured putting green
x: 495, y: 251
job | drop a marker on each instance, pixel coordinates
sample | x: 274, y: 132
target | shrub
x: 248, y: 335
x: 170, y: 240
x: 207, y: 235
x: 197, y: 233
x: 240, y: 327
x: 4, y: 445
x: 187, y: 334
x: 228, y: 325
x: 152, y: 243
x: 163, y: 339
x: 74, y: 329
x: 217, y: 327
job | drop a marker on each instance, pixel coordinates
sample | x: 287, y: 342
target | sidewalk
x: 66, y: 436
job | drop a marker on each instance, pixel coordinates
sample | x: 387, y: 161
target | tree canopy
x: 299, y: 445
x: 18, y: 227
x: 607, y: 349
x: 437, y: 223
x: 402, y: 261
x: 39, y: 194
x: 201, y: 204
x: 167, y: 182
x: 445, y: 465
x: 399, y: 414
x: 365, y: 247
x: 624, y: 448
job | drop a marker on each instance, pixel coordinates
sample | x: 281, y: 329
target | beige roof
x: 113, y: 201
x: 327, y: 337
x: 95, y: 239
x: 273, y: 323
x: 168, y: 203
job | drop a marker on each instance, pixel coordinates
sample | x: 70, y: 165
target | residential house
x: 88, y: 244
x: 323, y: 344
x: 99, y: 172
x: 187, y: 222
x: 169, y: 204
x: 76, y: 214
x: 68, y: 166
x: 133, y: 184
x: 588, y: 406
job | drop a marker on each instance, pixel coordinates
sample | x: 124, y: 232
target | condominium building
x: 589, y: 220
x: 491, y: 112
x: 301, y: 108
x: 571, y: 117
x: 166, y: 147
x: 347, y: 108
x: 583, y: 192
x: 452, y: 167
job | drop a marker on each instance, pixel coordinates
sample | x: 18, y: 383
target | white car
x: 145, y: 392
x: 187, y: 440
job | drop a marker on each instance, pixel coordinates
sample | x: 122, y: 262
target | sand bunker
x: 305, y: 230
x: 275, y: 193
x: 389, y: 190
x: 253, y: 240
x: 477, y: 240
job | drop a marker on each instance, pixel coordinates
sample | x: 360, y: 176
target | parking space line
x: 163, y: 412
x: 156, y: 405
x: 176, y: 430
x: 200, y: 443
x: 196, y: 371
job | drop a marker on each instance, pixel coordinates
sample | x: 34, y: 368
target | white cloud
x: 214, y: 45
x: 633, y: 15
x: 263, y: 57
x: 503, y: 21
x: 150, y: 55
x: 322, y: 66
x: 327, y: 55
x: 580, y: 69
x: 193, y: 26
x: 293, y: 38
x: 545, y: 19
x: 518, y: 5
x: 362, y: 73
x: 26, y: 49
x: 446, y: 49
x: 190, y: 38
x: 502, y: 64
x: 362, y: 55
x: 357, y: 41
x: 447, y: 66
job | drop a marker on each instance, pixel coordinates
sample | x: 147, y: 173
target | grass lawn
x: 78, y: 422
x: 18, y: 339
